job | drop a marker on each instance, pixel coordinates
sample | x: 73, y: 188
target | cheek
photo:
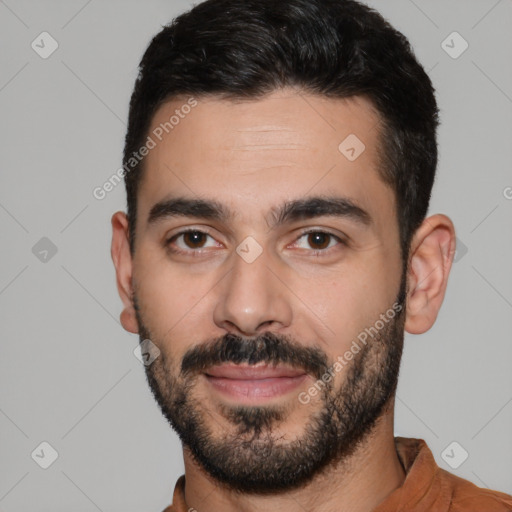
x: 171, y: 299
x: 342, y: 304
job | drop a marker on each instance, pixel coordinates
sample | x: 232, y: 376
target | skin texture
x: 253, y: 156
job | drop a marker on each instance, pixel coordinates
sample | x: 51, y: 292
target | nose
x: 252, y: 298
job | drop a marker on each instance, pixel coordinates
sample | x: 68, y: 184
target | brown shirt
x: 426, y: 488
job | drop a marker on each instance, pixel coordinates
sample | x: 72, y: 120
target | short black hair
x: 245, y: 49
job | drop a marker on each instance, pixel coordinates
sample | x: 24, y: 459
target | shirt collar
x: 423, y: 489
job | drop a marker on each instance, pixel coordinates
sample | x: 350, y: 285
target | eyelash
x: 316, y: 252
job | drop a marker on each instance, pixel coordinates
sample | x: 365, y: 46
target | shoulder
x: 468, y: 497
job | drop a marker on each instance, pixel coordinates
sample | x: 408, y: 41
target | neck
x: 358, y: 483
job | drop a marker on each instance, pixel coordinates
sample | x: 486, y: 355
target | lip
x: 254, y: 383
x: 246, y: 372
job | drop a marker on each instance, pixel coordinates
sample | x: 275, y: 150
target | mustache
x: 269, y: 348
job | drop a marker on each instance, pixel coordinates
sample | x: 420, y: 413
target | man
x: 279, y: 162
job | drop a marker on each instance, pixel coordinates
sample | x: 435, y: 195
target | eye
x: 192, y: 241
x: 189, y: 240
x: 319, y: 240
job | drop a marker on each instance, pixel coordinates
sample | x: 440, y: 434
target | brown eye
x: 191, y: 241
x: 319, y: 240
x: 194, y: 239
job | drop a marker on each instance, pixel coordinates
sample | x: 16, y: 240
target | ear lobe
x: 120, y: 252
x: 432, y: 253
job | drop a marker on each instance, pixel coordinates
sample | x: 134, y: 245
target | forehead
x: 254, y: 154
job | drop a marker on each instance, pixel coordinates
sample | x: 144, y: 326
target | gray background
x: 68, y: 375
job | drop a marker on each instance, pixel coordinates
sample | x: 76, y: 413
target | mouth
x: 254, y: 383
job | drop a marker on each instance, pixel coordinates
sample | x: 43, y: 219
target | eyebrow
x: 290, y: 211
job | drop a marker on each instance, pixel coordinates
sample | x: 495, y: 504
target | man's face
x: 280, y: 297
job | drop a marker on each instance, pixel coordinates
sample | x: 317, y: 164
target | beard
x: 248, y: 457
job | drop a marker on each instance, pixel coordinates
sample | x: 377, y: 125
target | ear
x: 430, y: 261
x: 122, y: 259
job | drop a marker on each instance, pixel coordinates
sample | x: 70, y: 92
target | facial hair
x: 248, y: 458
